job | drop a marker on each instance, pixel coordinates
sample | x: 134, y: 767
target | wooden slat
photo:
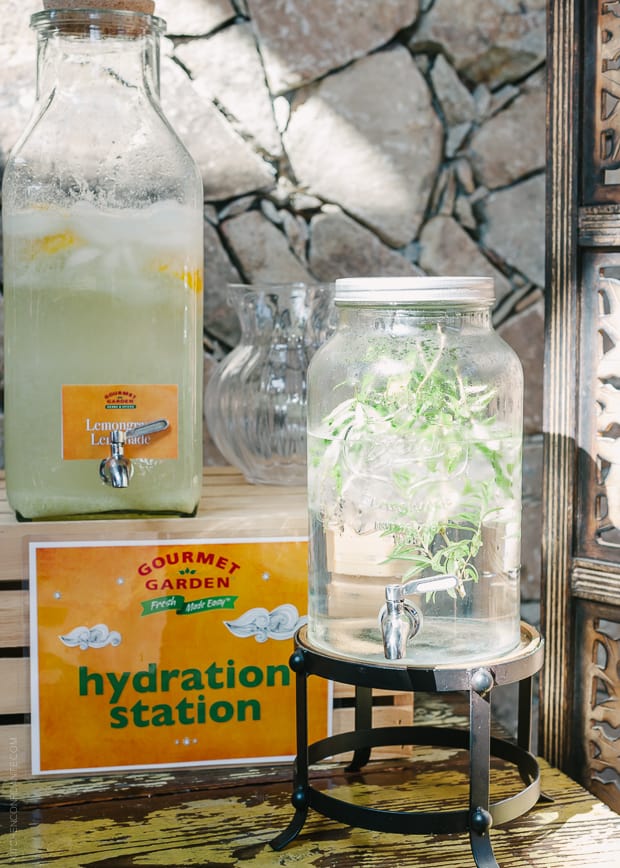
x: 398, y: 712
x: 15, y: 685
x: 16, y: 760
x: 14, y: 630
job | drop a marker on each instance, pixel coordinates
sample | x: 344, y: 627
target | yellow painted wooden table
x: 185, y: 819
x: 227, y: 817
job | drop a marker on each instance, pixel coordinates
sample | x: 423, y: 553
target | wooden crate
x: 229, y: 508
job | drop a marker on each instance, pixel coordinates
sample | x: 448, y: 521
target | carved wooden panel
x: 601, y: 106
x: 580, y: 684
x: 598, y: 698
x: 598, y: 494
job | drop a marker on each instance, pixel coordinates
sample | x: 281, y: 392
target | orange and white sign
x: 90, y: 413
x: 167, y: 654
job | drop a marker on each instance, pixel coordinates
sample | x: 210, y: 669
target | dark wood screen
x: 580, y: 684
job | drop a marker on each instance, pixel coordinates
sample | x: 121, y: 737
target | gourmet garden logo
x: 120, y: 399
x: 199, y: 570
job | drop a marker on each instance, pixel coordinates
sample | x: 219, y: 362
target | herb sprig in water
x: 441, y: 496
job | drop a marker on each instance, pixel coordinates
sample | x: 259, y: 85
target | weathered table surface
x: 223, y: 817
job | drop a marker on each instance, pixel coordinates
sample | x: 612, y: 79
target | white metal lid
x: 414, y: 290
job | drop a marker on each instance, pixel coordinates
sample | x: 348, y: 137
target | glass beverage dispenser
x: 103, y: 251
x: 414, y: 476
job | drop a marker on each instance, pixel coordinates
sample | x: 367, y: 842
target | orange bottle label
x: 91, y: 413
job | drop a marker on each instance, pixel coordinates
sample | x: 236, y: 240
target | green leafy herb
x: 444, y: 488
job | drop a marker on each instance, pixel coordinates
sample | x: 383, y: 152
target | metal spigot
x: 116, y: 469
x: 399, y: 619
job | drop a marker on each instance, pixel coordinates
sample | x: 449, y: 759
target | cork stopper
x: 145, y: 6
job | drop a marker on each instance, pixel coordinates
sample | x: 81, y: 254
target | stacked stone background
x: 356, y: 137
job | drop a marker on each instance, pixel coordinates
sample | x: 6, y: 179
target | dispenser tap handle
x: 148, y: 428
x: 439, y: 582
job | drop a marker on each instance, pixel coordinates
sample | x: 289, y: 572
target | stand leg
x: 300, y: 795
x: 524, y: 726
x: 363, y: 720
x: 479, y: 768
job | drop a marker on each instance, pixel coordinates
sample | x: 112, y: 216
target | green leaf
x: 427, y: 399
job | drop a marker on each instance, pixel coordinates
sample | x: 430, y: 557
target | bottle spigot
x: 116, y: 470
x: 399, y: 620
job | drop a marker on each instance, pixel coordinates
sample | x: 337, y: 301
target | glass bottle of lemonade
x: 103, y: 257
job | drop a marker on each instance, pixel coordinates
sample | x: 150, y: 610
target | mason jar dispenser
x: 414, y: 476
x: 103, y: 250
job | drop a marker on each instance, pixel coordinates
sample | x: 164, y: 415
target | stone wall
x: 351, y: 137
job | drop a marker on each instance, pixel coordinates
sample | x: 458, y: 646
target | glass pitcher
x: 103, y: 260
x: 414, y: 476
x: 255, y: 401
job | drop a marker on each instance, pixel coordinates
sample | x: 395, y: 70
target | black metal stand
x: 520, y: 666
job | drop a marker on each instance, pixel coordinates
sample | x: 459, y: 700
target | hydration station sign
x: 149, y: 654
